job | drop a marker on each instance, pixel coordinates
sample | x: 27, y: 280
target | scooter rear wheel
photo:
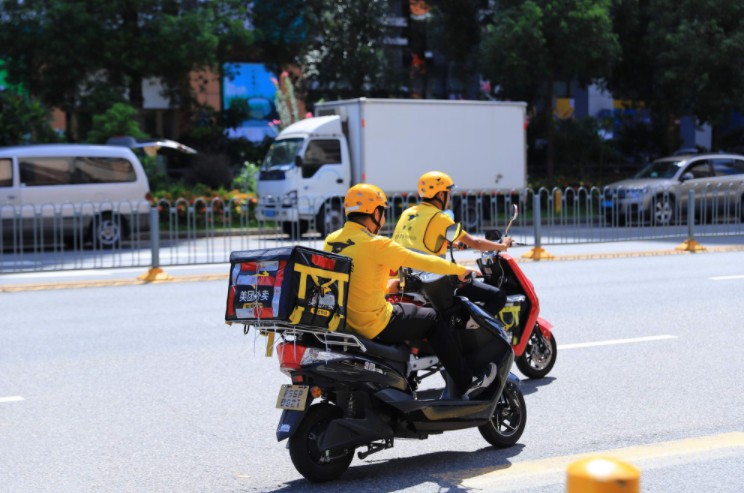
x: 508, y: 420
x: 539, y: 356
x: 303, y: 446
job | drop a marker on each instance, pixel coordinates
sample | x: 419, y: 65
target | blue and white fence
x: 110, y: 235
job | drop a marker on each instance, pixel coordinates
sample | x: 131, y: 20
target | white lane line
x: 105, y: 272
x: 726, y: 278
x: 615, y: 341
x: 14, y: 398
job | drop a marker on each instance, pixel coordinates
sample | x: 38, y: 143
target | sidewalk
x: 33, y: 281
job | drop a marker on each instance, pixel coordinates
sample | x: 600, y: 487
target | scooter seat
x: 391, y: 352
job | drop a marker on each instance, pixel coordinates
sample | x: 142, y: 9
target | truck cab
x: 303, y: 174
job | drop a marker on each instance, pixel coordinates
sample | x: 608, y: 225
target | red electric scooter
x: 532, y: 339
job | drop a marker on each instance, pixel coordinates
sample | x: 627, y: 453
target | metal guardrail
x: 109, y: 235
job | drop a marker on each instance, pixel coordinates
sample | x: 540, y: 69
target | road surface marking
x: 615, y: 341
x: 106, y: 272
x: 14, y: 398
x: 552, y: 470
x: 726, y: 278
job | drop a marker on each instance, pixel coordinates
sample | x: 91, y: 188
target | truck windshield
x: 659, y: 169
x: 281, y: 153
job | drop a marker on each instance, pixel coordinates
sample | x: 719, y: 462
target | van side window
x: 40, y: 171
x: 102, y: 170
x: 318, y: 153
x: 6, y: 173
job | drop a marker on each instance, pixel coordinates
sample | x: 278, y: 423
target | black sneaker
x: 483, y: 381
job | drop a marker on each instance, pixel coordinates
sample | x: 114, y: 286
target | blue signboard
x: 251, y: 82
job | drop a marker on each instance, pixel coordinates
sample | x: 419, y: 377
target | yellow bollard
x: 602, y: 475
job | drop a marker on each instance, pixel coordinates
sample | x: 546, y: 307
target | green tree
x: 68, y: 51
x: 681, y: 58
x: 457, y: 36
x: 347, y: 56
x: 120, y: 119
x: 532, y: 44
x: 23, y: 119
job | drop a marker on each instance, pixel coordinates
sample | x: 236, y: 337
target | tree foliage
x: 23, y: 119
x: 681, y: 58
x: 120, y: 119
x: 531, y: 44
x: 347, y: 56
x: 73, y: 53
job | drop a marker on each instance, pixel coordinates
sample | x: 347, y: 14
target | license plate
x: 292, y: 397
x: 269, y: 212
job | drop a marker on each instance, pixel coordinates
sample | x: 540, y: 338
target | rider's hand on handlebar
x: 469, y: 275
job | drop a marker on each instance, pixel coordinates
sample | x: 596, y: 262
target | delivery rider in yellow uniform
x: 367, y: 310
x: 421, y: 228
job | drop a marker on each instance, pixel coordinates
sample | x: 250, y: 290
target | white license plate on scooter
x: 292, y: 397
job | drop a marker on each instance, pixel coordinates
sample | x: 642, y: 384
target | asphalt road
x: 143, y: 388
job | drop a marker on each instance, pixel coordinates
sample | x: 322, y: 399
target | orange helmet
x: 434, y: 182
x: 364, y: 198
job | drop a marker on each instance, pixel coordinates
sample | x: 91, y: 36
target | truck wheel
x: 295, y: 230
x: 330, y: 218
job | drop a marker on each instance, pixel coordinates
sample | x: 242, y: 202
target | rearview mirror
x: 453, y: 232
x: 298, y: 161
x: 515, y: 213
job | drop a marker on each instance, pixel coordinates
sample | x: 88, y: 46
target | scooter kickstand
x: 375, y: 447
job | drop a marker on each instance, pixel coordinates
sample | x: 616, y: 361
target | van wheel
x: 108, y: 230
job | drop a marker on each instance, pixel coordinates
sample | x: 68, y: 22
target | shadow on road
x: 439, y: 471
x: 529, y: 386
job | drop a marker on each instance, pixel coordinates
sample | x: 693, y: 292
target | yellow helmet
x: 364, y: 198
x: 434, y: 182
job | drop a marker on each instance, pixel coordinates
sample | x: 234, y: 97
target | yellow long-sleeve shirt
x: 373, y: 258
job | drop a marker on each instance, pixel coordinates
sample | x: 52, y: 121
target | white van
x: 63, y: 191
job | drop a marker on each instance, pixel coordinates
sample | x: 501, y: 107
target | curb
x: 15, y: 288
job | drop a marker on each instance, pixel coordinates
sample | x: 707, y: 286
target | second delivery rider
x: 369, y: 313
x: 421, y: 228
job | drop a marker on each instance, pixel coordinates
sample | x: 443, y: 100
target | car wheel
x: 662, y: 210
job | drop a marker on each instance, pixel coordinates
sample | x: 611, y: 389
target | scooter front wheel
x: 539, y: 356
x: 307, y: 458
x: 509, y: 418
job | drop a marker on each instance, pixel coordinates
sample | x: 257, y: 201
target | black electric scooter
x: 349, y: 392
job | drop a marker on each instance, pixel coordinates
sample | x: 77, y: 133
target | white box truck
x: 389, y: 143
